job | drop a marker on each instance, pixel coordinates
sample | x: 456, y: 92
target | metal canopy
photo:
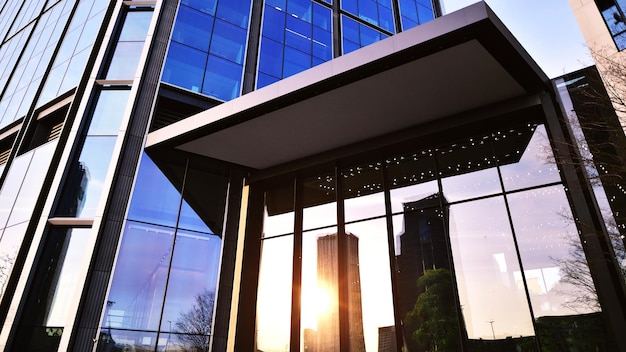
x: 456, y: 63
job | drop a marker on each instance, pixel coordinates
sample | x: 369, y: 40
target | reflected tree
x: 435, y: 312
x: 193, y: 327
x: 6, y: 263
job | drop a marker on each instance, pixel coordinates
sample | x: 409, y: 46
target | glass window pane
x: 72, y: 255
x: 228, y: 42
x: 124, y: 61
x: 222, y: 78
x: 191, y: 287
x: 12, y: 184
x: 271, y: 58
x: 427, y: 303
x: 33, y: 181
x: 279, y: 214
x: 136, y: 295
x: 184, y: 67
x: 468, y: 169
x: 320, y: 280
x: 274, y: 24
x: 193, y: 28
x: 369, y: 293
x: 320, y: 201
x: 486, y: 264
x: 274, y: 294
x: 135, y: 26
x: 411, y: 178
x: 204, y: 201
x: 559, y: 282
x: 84, y: 185
x: 10, y: 243
x: 362, y: 189
x: 153, y: 207
x: 525, y: 157
x: 108, y: 113
x: 235, y: 11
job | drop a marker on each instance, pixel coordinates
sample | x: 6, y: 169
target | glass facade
x: 457, y: 240
x: 209, y: 47
x: 172, y: 239
x: 476, y: 236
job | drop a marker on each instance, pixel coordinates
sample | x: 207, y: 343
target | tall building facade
x: 169, y: 167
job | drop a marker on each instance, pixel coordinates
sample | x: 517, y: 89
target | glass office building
x: 295, y: 175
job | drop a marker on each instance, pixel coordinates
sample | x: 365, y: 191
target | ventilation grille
x: 4, y: 156
x: 55, y: 131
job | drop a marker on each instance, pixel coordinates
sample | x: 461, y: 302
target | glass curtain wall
x: 209, y: 41
x: 164, y: 287
x: 466, y: 245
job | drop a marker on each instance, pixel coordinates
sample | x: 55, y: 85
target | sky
x: 547, y: 29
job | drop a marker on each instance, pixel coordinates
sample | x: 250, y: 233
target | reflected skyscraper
x: 327, y: 336
x: 422, y: 247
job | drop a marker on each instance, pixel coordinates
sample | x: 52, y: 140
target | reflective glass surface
x: 415, y: 12
x: 9, y: 245
x: 108, y: 113
x: 274, y: 294
x: 33, y: 181
x: 319, y: 310
x: 137, y: 294
x: 486, y: 265
x: 207, y: 47
x: 357, y: 35
x: 370, y: 301
x: 476, y: 264
x: 85, y: 181
x: 376, y: 12
x: 130, y: 43
x: 362, y: 187
x: 55, y: 281
x: 296, y: 35
x: 173, y: 243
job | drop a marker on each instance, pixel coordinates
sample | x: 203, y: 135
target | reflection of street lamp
x: 169, y: 334
x: 493, y: 333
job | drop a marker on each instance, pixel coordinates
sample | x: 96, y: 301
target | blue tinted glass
x: 274, y: 24
x: 408, y: 23
x: 281, y: 4
x: 295, y: 61
x: 425, y: 14
x: 349, y: 46
x: 193, y: 28
x: 136, y: 26
x: 350, y: 30
x: 298, y: 34
x: 149, y: 206
x: 369, y: 36
x: 300, y: 9
x: 368, y: 10
x: 207, y: 6
x: 322, y: 44
x: 229, y: 41
x: 192, y: 283
x: 234, y: 11
x: 184, y: 67
x: 271, y: 58
x: 264, y: 80
x: 350, y: 6
x: 136, y: 295
x: 386, y: 18
x: 408, y: 9
x: 222, y: 78
x: 321, y: 16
